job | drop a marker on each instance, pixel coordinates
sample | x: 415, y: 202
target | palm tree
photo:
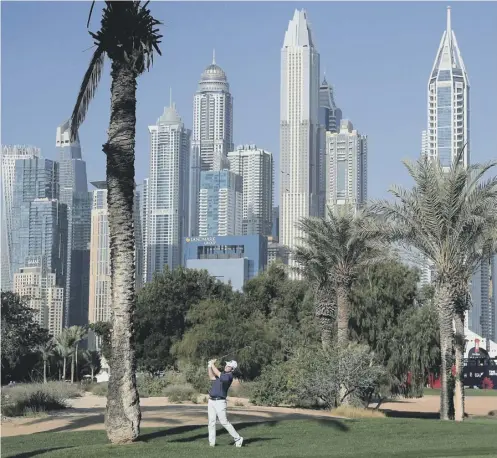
x: 128, y: 37
x: 92, y: 361
x: 312, y: 265
x: 78, y: 333
x: 449, y: 216
x: 46, y: 350
x: 333, y: 251
x: 65, y: 347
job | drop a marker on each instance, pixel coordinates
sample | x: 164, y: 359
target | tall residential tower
x: 9, y: 156
x: 256, y: 168
x: 448, y: 103
x: 299, y: 128
x: 212, y: 136
x: 167, y: 192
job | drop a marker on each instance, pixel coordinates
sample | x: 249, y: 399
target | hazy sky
x: 378, y: 56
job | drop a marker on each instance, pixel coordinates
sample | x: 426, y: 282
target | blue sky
x: 377, y: 55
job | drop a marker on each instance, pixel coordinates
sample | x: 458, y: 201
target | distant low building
x: 231, y: 259
x: 276, y: 252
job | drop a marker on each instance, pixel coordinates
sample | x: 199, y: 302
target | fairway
x: 298, y: 438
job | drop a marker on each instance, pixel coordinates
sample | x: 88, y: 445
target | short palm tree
x: 78, y: 334
x: 449, y: 216
x: 46, y: 350
x: 128, y: 37
x: 64, y: 343
x: 332, y: 252
x: 92, y: 359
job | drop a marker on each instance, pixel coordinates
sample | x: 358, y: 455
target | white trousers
x: 217, y: 409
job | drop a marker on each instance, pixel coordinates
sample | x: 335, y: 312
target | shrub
x: 271, y: 388
x: 98, y: 389
x: 64, y: 389
x: 197, y: 377
x: 180, y: 393
x: 28, y: 399
x: 239, y: 404
x: 150, y: 386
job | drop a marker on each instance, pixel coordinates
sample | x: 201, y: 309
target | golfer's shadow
x: 223, y: 432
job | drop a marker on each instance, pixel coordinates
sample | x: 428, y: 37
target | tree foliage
x: 162, y: 305
x: 398, y: 322
x: 21, y: 337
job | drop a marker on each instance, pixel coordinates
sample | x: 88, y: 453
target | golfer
x: 217, y: 400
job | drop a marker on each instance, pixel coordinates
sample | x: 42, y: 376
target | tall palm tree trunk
x: 459, y: 357
x: 64, y: 369
x: 44, y: 371
x: 123, y: 404
x: 72, y: 368
x: 76, y: 354
x: 444, y: 303
x: 343, y: 313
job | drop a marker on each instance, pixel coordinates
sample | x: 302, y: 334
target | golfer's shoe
x: 239, y: 442
x: 212, y: 445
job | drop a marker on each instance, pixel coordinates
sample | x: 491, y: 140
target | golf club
x: 233, y: 351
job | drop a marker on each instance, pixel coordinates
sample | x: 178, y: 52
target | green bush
x: 197, y: 377
x: 271, y: 388
x: 98, y: 389
x: 150, y: 386
x: 33, y: 398
x: 180, y: 393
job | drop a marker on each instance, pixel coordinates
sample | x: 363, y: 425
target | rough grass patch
x: 179, y: 393
x: 31, y: 399
x: 98, y: 389
x: 357, y: 412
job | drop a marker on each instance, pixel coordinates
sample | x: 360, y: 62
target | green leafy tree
x: 397, y: 322
x: 162, y: 305
x: 129, y: 37
x: 103, y: 329
x: 92, y: 362
x: 262, y: 326
x: 21, y: 336
x: 449, y: 216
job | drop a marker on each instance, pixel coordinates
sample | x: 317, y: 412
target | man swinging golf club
x: 221, y: 381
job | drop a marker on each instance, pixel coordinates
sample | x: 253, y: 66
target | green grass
x: 467, y: 392
x: 375, y: 438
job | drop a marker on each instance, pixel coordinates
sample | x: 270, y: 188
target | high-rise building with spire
x: 212, y: 136
x: 299, y: 128
x: 74, y: 193
x: 9, y: 156
x: 167, y: 192
x: 448, y: 103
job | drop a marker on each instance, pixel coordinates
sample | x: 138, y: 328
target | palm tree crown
x: 128, y: 34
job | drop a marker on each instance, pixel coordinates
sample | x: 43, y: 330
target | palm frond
x: 87, y: 91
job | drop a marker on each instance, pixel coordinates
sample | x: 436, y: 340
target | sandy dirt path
x: 88, y: 411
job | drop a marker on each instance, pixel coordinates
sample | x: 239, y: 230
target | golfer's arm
x: 215, y: 371
x: 211, y: 374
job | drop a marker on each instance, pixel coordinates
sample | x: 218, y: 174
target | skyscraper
x: 39, y: 220
x: 346, y: 163
x: 330, y: 118
x: 167, y: 192
x: 299, y: 128
x: 74, y: 193
x: 9, y: 156
x: 144, y: 227
x: 212, y: 136
x: 256, y: 168
x: 448, y: 103
x: 220, y: 204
